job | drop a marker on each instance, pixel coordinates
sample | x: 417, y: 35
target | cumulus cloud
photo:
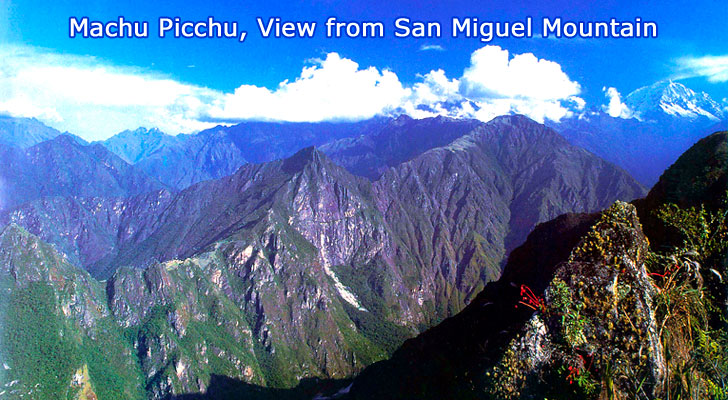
x: 522, y: 84
x: 332, y: 88
x: 714, y: 68
x: 94, y: 99
x: 436, y: 94
x: 615, y: 107
x: 494, y: 74
x: 496, y: 84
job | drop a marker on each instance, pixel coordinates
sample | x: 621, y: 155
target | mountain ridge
x: 24, y: 132
x: 508, y: 342
x: 63, y: 166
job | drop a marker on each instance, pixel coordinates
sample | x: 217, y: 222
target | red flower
x: 530, y: 300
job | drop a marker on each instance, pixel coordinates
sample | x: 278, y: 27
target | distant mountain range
x: 296, y: 267
x: 139, y: 144
x: 667, y: 118
x: 24, y: 132
x: 399, y: 140
x: 182, y: 160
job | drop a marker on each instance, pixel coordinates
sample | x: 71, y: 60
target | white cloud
x: 436, y: 86
x: 21, y: 106
x: 616, y: 108
x: 94, y: 99
x: 333, y: 88
x: 522, y: 84
x: 436, y: 94
x: 434, y: 47
x: 87, y: 97
x: 714, y: 68
x: 495, y: 84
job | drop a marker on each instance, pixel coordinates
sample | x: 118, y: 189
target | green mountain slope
x: 58, y: 337
x: 589, y: 307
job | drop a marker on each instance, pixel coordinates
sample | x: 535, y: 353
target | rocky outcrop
x: 594, y: 316
x: 594, y: 325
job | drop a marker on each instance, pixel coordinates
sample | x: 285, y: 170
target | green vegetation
x: 609, y: 328
x: 40, y: 348
x: 692, y: 325
x: 704, y: 232
x: 113, y: 373
x: 374, y: 324
x: 57, y: 338
x: 570, y: 312
x: 45, y: 349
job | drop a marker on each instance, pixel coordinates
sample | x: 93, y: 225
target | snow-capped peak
x: 673, y: 99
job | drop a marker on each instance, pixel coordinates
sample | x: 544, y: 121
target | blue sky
x: 189, y: 84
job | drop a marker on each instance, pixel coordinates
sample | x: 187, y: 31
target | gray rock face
x: 90, y: 230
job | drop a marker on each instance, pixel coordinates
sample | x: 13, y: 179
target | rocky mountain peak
x: 62, y: 140
x: 143, y: 131
x: 521, y: 131
x: 672, y: 99
x: 402, y: 119
x: 141, y: 135
x: 303, y: 158
x: 513, y: 120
